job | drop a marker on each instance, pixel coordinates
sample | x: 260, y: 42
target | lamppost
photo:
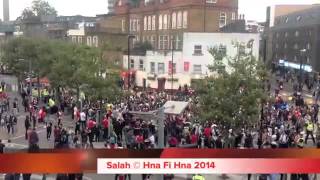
x: 172, y: 51
x: 302, y: 52
x: 129, y: 37
x: 30, y: 83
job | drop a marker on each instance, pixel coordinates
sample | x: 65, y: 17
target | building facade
x: 295, y: 38
x: 190, y: 63
x: 163, y: 22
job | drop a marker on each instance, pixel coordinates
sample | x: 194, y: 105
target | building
x: 294, y: 32
x: 111, y: 4
x: 53, y: 27
x: 161, y: 22
x: 6, y: 11
x: 154, y: 69
x: 280, y: 10
x: 92, y: 34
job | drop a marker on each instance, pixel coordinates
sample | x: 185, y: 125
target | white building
x: 190, y: 63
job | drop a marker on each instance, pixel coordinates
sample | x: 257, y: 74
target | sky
x: 253, y: 9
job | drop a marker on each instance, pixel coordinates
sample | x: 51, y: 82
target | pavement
x: 18, y: 140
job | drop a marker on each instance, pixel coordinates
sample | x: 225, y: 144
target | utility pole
x: 129, y: 80
x: 302, y: 51
x: 172, y: 51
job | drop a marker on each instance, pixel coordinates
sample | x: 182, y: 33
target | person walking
x: 2, y: 146
x: 33, y: 138
x: 49, y: 131
x: 309, y: 132
x: 27, y: 126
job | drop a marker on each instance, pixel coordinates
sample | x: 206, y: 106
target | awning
x: 43, y: 80
x: 175, y: 107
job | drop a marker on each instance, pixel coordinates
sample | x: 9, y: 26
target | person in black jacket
x: 27, y: 125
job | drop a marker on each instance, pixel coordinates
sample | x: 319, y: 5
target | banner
x: 163, y: 161
x: 186, y: 66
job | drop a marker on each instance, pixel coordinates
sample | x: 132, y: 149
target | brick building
x: 161, y: 22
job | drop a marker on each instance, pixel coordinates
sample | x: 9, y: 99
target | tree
x: 232, y: 95
x: 38, y: 9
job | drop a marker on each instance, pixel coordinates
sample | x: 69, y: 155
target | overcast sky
x: 253, y: 9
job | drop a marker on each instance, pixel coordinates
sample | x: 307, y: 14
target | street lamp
x: 172, y: 51
x: 302, y: 52
x: 30, y: 83
x: 129, y: 37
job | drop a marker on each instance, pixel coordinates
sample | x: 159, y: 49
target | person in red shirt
x: 207, y: 132
x: 173, y: 142
x: 194, y: 139
x: 105, y: 123
x: 91, y: 124
x: 139, y: 141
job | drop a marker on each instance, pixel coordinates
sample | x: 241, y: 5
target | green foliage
x: 66, y: 65
x: 232, y: 97
x: 39, y: 8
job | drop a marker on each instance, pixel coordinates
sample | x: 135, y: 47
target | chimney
x: 111, y: 4
x: 6, y: 12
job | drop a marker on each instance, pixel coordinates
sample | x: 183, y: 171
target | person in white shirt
x: 83, y: 119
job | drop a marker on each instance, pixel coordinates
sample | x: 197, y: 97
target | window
x: 165, y: 21
x: 95, y: 41
x: 223, y: 49
x: 145, y: 23
x: 149, y: 22
x: 152, y: 68
x: 286, y: 34
x: 308, y: 60
x: 185, y: 19
x: 153, y: 22
x: 141, y: 68
x: 277, y: 45
x: 223, y: 19
x: 120, y: 3
x: 197, y: 69
x: 298, y: 18
x: 296, y: 33
x: 123, y: 25
x: 295, y: 58
x: 178, y: 45
x: 211, y: 1
x: 80, y: 39
x: 174, y: 20
x: 89, y: 42
x: 295, y: 46
x: 134, y: 23
x: 160, y: 22
x: 138, y: 24
x: 179, y: 20
x: 130, y: 25
x: 165, y: 42
x: 74, y: 39
x: 160, y: 68
x: 197, y: 50
x: 277, y: 35
x: 174, y: 70
x: 153, y: 41
x: 131, y: 63
x: 233, y: 16
x: 285, y: 45
x: 308, y: 46
x: 286, y: 20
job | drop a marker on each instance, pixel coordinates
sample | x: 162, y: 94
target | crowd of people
x: 285, y: 122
